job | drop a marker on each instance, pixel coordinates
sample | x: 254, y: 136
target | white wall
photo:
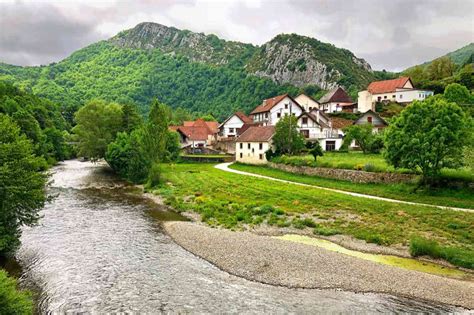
x: 402, y: 96
x: 272, y: 118
x: 250, y: 152
x: 364, y: 101
x: 336, y: 141
x: 331, y: 107
x: 307, y: 102
x: 229, y: 129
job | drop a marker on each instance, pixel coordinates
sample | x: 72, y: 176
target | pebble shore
x: 278, y: 262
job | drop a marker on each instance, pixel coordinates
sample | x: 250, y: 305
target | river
x: 99, y: 248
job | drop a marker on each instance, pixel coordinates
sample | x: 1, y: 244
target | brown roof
x: 257, y: 134
x: 268, y: 104
x: 246, y: 119
x: 340, y: 123
x: 198, y: 130
x: 336, y: 95
x: 387, y: 86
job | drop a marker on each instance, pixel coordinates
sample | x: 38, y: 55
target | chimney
x: 264, y: 103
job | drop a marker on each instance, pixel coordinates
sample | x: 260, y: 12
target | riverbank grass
x: 443, y: 196
x: 237, y: 202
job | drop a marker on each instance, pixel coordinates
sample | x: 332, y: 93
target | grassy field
x: 455, y: 197
x: 235, y: 201
x: 356, y: 160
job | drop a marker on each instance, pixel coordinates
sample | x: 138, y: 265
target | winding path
x: 225, y: 167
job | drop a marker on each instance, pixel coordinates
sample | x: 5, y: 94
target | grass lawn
x: 233, y: 201
x: 206, y: 155
x: 462, y: 198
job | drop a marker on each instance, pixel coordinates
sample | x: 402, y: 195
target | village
x: 249, y: 137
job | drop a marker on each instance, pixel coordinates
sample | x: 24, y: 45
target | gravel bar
x: 278, y: 262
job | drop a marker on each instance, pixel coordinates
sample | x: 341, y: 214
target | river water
x: 99, y: 249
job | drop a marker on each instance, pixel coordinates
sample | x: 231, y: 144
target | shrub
x: 154, y: 175
x: 13, y: 301
x: 369, y: 167
x: 321, y: 230
x: 302, y: 223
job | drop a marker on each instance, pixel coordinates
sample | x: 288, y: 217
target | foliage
x: 287, y: 139
x: 39, y: 119
x: 365, y: 137
x: 155, y: 131
x: 97, y: 125
x: 428, y: 136
x: 131, y: 119
x: 420, y: 246
x: 22, y: 185
x: 458, y: 94
x: 13, y: 301
x: 440, y: 68
x: 316, y: 150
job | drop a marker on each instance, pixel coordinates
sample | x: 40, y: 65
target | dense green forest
x: 128, y: 75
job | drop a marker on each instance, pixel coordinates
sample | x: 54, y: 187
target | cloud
x: 390, y: 35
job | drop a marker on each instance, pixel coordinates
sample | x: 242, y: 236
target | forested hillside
x: 197, y: 72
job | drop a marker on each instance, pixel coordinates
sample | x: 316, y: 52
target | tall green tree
x: 428, y: 136
x: 368, y: 141
x: 22, y: 185
x: 131, y: 119
x: 155, y: 131
x: 97, y: 125
x: 458, y: 94
x: 287, y: 139
x: 440, y: 68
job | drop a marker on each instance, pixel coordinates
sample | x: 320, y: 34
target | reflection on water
x: 98, y: 250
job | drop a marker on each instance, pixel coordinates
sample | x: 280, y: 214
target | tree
x: 131, y: 119
x: 97, y: 124
x: 458, y: 94
x: 287, y: 139
x: 155, y: 132
x: 316, y: 150
x: 440, y: 68
x: 22, y: 185
x: 466, y: 75
x: 428, y: 136
x: 368, y: 141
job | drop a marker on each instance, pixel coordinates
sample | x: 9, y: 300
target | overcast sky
x: 389, y: 34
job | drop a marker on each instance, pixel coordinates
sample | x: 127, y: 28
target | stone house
x: 252, y: 144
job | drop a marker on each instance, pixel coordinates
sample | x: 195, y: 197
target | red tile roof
x: 336, y: 95
x: 268, y: 104
x: 340, y: 123
x: 387, y: 86
x: 257, y: 134
x: 245, y: 119
x: 198, y: 130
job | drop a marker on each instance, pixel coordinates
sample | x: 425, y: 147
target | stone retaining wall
x: 342, y: 174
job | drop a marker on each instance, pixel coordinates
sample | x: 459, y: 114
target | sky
x: 389, y: 34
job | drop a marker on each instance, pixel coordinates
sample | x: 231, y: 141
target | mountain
x: 198, y: 72
x: 459, y: 56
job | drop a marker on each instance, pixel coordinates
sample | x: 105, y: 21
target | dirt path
x: 225, y: 167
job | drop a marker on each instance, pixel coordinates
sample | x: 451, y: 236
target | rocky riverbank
x: 278, y: 262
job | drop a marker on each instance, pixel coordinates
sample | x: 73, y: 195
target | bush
x: 13, y: 301
x: 302, y: 223
x: 369, y: 167
x: 321, y: 230
x: 420, y: 246
x: 154, y: 176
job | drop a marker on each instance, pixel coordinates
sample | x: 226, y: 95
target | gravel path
x: 289, y: 264
x: 225, y: 167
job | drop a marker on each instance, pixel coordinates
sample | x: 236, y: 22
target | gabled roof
x: 212, y: 125
x: 314, y: 118
x: 257, y: 134
x: 373, y: 113
x: 244, y: 118
x: 307, y: 97
x: 269, y: 103
x: 336, y: 95
x: 387, y: 86
x: 198, y: 130
x: 340, y: 123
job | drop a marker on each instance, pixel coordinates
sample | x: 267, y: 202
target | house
x: 196, y: 134
x: 231, y: 126
x: 307, y: 102
x: 399, y: 90
x: 273, y: 109
x: 371, y: 117
x: 335, y: 101
x: 316, y: 126
x: 252, y: 144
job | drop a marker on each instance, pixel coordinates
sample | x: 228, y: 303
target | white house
x: 372, y: 118
x: 273, y: 109
x: 307, y: 102
x: 252, y: 144
x: 399, y: 90
x: 315, y: 126
x: 231, y: 126
x: 336, y: 100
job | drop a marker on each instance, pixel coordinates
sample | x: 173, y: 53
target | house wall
x: 337, y: 142
x: 364, y: 101
x: 271, y: 119
x: 229, y: 129
x: 306, y: 102
x: 402, y: 96
x: 332, y: 107
x: 252, y: 155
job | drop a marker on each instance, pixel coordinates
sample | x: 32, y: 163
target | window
x: 260, y: 146
x: 379, y: 99
x: 241, y: 145
x: 248, y: 145
x: 304, y: 120
x: 253, y: 150
x: 260, y: 156
x: 266, y: 115
x: 310, y: 108
x: 231, y: 130
x: 241, y: 155
x: 278, y: 115
x: 369, y: 119
x: 401, y: 96
x: 385, y: 97
x: 393, y: 96
x: 304, y: 133
x: 330, y: 145
x: 286, y: 106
